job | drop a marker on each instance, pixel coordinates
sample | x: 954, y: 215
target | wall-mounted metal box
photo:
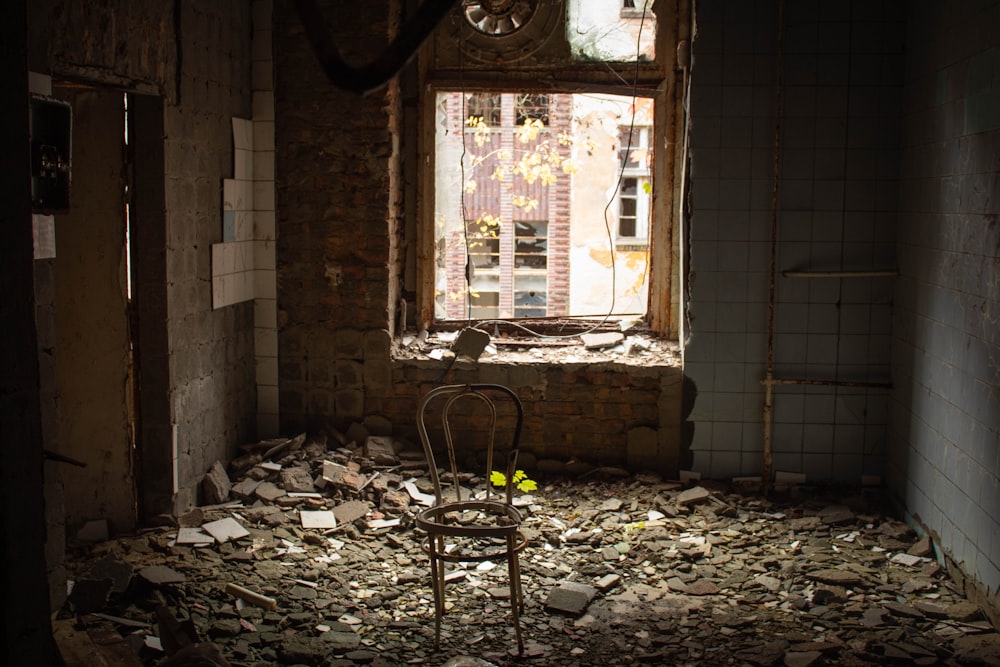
x: 50, y: 134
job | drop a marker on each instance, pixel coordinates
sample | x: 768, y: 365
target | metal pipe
x: 773, y: 264
x: 771, y: 381
x: 840, y: 274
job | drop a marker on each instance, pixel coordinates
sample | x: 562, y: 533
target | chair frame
x: 435, y: 520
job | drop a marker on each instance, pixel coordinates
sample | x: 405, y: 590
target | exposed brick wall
x: 337, y: 217
x: 582, y: 411
x: 338, y: 158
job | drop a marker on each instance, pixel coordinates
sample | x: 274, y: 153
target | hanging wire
x: 611, y: 200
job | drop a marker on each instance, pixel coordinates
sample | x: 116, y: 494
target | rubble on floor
x: 309, y: 556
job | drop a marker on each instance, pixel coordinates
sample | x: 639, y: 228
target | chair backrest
x: 452, y: 394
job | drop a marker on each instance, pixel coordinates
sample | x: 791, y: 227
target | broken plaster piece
x: 226, y: 529
x: 415, y: 493
x: 470, y: 343
x: 317, y: 519
x: 193, y: 536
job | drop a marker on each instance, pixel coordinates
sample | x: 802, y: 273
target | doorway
x: 96, y: 345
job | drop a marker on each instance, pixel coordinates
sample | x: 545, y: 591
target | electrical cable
x: 607, y: 221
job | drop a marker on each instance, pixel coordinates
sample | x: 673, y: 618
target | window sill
x: 638, y: 347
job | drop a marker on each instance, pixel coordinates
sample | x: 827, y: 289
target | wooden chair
x: 472, y: 529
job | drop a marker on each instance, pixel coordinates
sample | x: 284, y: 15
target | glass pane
x: 529, y: 283
x: 531, y: 106
x: 485, y: 106
x: 611, y: 31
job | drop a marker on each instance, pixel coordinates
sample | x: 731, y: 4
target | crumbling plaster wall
x: 945, y: 432
x: 212, y: 373
x: 339, y: 157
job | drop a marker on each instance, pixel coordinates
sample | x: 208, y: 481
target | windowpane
x: 483, y: 244
x: 611, y: 31
x: 530, y: 245
x: 531, y: 106
x: 485, y: 106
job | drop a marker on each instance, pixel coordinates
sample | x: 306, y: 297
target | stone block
x: 216, y: 484
x: 570, y: 597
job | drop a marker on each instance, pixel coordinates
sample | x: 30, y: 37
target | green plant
x: 520, y: 481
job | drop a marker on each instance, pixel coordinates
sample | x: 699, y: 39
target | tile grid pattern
x: 945, y: 421
x: 841, y: 81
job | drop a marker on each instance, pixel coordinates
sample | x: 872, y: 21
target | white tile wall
x: 264, y: 228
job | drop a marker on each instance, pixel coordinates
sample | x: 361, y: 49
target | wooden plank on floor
x: 94, y: 646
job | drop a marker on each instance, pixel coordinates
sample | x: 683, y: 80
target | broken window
x: 547, y: 195
x: 531, y: 106
x: 485, y: 106
x: 634, y: 193
x: 609, y: 31
x: 543, y: 194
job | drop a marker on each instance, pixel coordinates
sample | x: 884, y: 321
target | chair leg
x: 437, y: 586
x: 516, y: 606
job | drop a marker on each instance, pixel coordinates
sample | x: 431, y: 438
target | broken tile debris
x: 315, y: 560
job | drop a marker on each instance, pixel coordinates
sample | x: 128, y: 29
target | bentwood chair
x: 478, y: 527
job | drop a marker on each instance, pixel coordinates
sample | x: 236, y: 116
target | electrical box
x: 50, y: 134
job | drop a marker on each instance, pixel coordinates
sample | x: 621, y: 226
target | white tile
x: 263, y: 282
x: 244, y: 225
x: 237, y: 195
x: 238, y: 264
x: 246, y: 253
x: 242, y: 134
x: 267, y: 370
x: 217, y: 258
x: 263, y: 104
x: 243, y: 164
x: 267, y: 399
x: 263, y: 165
x: 262, y: 48
x: 247, y: 289
x: 264, y: 225
x: 262, y: 75
x: 263, y: 135
x: 263, y: 195
x: 218, y: 297
x: 265, y: 341
x: 263, y: 255
x: 265, y: 313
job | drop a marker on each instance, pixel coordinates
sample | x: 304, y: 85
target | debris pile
x: 308, y: 555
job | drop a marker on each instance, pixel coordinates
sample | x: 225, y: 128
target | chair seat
x: 433, y: 521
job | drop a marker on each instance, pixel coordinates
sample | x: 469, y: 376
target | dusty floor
x: 680, y: 575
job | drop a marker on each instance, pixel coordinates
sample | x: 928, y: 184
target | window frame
x: 660, y: 79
